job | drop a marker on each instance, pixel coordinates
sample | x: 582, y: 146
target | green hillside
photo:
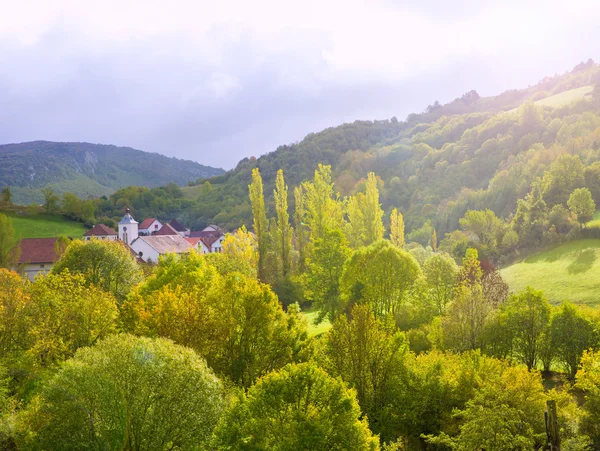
x: 88, y: 169
x: 567, y: 272
x: 45, y: 226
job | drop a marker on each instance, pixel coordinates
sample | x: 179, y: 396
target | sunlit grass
x: 315, y: 329
x: 45, y: 226
x: 568, y: 272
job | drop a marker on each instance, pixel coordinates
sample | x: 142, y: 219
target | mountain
x: 474, y: 152
x: 89, y: 169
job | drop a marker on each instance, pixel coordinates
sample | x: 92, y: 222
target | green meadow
x: 45, y: 226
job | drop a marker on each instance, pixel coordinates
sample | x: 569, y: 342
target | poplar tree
x: 261, y: 225
x: 355, y: 229
x: 373, y: 213
x: 284, y: 229
x: 397, y: 228
x: 301, y: 228
x: 434, y: 241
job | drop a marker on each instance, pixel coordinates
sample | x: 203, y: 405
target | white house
x: 149, y: 248
x: 101, y: 232
x: 38, y: 255
x: 149, y: 226
x: 212, y: 238
x: 128, y: 228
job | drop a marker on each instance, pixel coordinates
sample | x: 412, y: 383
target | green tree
x: 368, y: 354
x: 488, y: 228
x: 14, y: 329
x: 302, y: 233
x: 261, y: 225
x: 588, y: 380
x: 571, y: 333
x: 126, y: 392
x: 284, y: 229
x: 582, y: 205
x: 298, y: 407
x: 324, y: 270
x: 526, y: 317
x: 10, y: 244
x: 441, y: 274
x: 235, y: 322
x: 6, y: 195
x: 562, y: 178
x: 397, y: 228
x: 380, y: 275
x: 106, y: 264
x: 50, y: 200
x: 63, y: 314
x: 372, y: 212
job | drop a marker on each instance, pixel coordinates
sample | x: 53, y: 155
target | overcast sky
x: 218, y: 81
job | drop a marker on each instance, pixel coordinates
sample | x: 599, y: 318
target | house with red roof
x: 38, y: 255
x: 212, y: 237
x: 167, y: 229
x: 149, y: 227
x: 101, y: 232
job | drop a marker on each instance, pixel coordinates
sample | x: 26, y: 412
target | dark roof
x: 100, y: 230
x: 177, y: 225
x: 167, y: 229
x: 204, y: 234
x: 38, y: 250
x: 146, y: 223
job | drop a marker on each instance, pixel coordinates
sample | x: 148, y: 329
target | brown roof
x: 38, y: 250
x: 208, y: 237
x: 167, y: 243
x: 100, y: 230
x: 192, y: 241
x: 177, y: 225
x: 146, y: 223
x: 167, y: 229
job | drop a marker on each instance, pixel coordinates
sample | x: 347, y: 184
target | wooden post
x: 552, y: 426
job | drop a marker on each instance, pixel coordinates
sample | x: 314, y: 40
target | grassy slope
x: 569, y: 271
x: 191, y: 192
x: 45, y: 226
x: 566, y: 98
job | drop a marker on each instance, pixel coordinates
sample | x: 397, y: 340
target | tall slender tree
x: 284, y: 229
x: 302, y: 234
x: 261, y: 225
x: 10, y: 248
x: 397, y: 228
x: 373, y: 213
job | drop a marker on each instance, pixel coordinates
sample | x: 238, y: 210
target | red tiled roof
x: 192, y: 241
x: 38, y: 250
x: 100, y: 230
x: 167, y: 229
x: 146, y: 223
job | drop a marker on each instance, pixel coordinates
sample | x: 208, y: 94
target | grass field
x: 562, y: 99
x: 314, y: 330
x: 570, y: 271
x: 45, y: 226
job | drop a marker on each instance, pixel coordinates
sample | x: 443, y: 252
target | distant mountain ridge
x: 89, y: 169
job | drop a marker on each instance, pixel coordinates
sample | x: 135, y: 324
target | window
x: 42, y: 266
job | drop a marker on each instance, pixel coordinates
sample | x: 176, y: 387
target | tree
x: 571, y: 333
x: 441, y: 274
x: 233, y: 321
x: 372, y: 212
x: 50, y: 200
x: 470, y: 272
x: 10, y: 244
x: 397, y: 228
x: 261, y: 225
x: 368, y: 354
x: 526, y: 317
x: 106, y: 264
x: 298, y: 407
x: 7, y: 195
x: 14, y: 299
x: 434, y: 241
x: 488, y: 228
x: 562, y: 178
x: 380, y: 275
x: 324, y: 270
x: 63, y: 314
x: 582, y: 205
x: 241, y: 246
x: 284, y: 229
x: 126, y: 392
x: 588, y: 380
x: 302, y: 232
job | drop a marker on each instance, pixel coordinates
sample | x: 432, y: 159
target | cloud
x: 219, y: 81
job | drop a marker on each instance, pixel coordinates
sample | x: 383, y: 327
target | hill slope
x: 88, y: 169
x: 567, y: 272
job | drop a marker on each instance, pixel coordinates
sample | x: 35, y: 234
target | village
x: 147, y: 240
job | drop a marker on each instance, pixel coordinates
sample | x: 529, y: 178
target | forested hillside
x: 88, y: 169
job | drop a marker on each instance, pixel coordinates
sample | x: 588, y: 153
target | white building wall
x: 105, y: 237
x: 149, y: 254
x: 33, y: 269
x: 217, y: 246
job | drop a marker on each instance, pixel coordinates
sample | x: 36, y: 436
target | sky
x: 218, y: 81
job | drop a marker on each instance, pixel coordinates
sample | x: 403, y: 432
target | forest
x: 214, y: 351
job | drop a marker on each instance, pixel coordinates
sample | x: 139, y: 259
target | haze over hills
x: 88, y: 169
